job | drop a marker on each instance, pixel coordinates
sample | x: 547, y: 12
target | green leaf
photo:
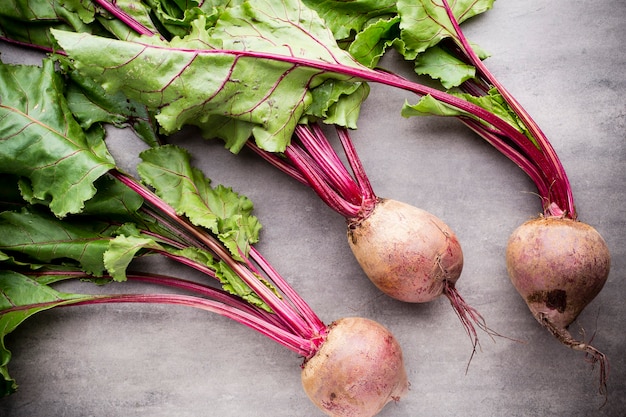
x: 113, y: 201
x: 40, y: 140
x: 232, y: 283
x: 425, y: 23
x: 91, y: 105
x: 29, y: 22
x: 370, y: 44
x: 176, y: 16
x: 200, y: 77
x: 222, y: 211
x: 131, y: 240
x: 339, y: 102
x: 74, y: 12
x: 428, y: 105
x: 346, y: 111
x: 44, y: 238
x: 20, y: 298
x: 33, y: 34
x: 122, y: 250
x: 136, y: 10
x: 345, y: 18
x: 439, y: 64
x: 493, y: 102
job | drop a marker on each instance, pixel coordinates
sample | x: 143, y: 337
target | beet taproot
x: 356, y: 371
x: 408, y: 253
x: 559, y: 265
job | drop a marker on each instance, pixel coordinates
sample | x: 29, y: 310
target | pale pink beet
x: 558, y: 266
x: 407, y: 252
x: 413, y: 256
x: 357, y: 370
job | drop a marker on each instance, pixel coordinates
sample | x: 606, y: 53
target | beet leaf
x: 35, y: 114
x: 220, y: 210
x: 201, y: 83
x: 417, y: 36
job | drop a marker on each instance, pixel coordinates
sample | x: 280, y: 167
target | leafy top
x: 40, y: 139
x: 222, y: 78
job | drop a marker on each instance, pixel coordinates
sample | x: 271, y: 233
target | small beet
x: 357, y: 370
x: 413, y: 256
x: 408, y: 253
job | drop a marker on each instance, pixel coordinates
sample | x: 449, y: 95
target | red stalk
x: 298, y: 344
x: 556, y: 177
x: 315, y: 179
x: 299, y: 322
x: 124, y: 17
x: 313, y: 140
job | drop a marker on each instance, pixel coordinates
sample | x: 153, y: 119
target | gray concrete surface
x: 566, y: 63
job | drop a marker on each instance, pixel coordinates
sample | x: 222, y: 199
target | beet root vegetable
x: 408, y: 253
x: 413, y: 256
x: 356, y: 371
x: 558, y: 266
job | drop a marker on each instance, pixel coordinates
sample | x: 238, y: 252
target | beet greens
x: 173, y: 211
x: 117, y: 218
x: 280, y: 111
x: 444, y: 53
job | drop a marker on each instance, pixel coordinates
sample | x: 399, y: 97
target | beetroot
x: 357, y: 370
x: 558, y: 265
x: 408, y: 253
